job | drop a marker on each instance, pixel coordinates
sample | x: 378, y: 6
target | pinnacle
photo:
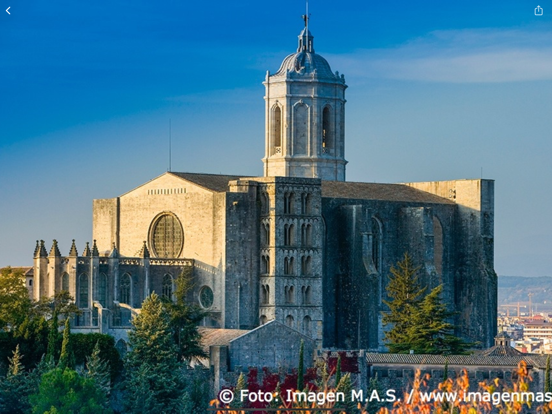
x: 73, y: 252
x: 86, y: 252
x: 54, y: 251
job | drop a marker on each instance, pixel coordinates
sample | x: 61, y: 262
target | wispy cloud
x: 460, y: 56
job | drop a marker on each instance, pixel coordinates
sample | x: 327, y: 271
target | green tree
x: 345, y: 386
x: 15, y: 303
x: 98, y: 370
x: 338, y: 370
x: 67, y: 357
x: 32, y: 338
x: 376, y: 395
x: 405, y: 293
x: 154, y: 382
x: 301, y: 368
x: 16, y: 387
x: 62, y: 304
x: 547, y: 387
x: 418, y: 322
x: 184, y: 318
x: 430, y: 331
x: 66, y: 392
x: 54, y: 338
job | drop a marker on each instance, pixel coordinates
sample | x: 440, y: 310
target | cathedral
x: 299, y: 245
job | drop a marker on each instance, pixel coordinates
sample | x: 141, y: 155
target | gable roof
x: 213, y: 182
x: 218, y: 337
x: 384, y: 192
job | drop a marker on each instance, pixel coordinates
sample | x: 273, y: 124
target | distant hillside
x: 513, y: 289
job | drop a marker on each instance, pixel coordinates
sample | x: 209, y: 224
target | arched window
x: 265, y: 265
x: 102, y: 289
x: 277, y: 129
x: 289, y: 321
x: 307, y: 325
x: 168, y: 287
x: 326, y: 130
x: 121, y: 346
x: 288, y: 266
x: 83, y: 290
x: 125, y: 289
x: 306, y: 265
x: 300, y: 129
x: 65, y: 282
x: 305, y: 203
x: 265, y: 230
x: 376, y: 244
x: 289, y: 203
x: 289, y: 239
x: 438, y: 245
x: 306, y: 235
x: 262, y: 319
x: 289, y: 293
x: 265, y: 203
x: 265, y: 294
x: 306, y: 293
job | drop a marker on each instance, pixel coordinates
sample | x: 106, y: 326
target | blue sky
x: 436, y: 91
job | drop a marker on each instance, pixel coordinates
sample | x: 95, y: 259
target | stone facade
x: 299, y: 245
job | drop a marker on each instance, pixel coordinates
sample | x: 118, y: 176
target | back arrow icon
x: 8, y: 11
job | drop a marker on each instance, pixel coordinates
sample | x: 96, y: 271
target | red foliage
x: 348, y: 363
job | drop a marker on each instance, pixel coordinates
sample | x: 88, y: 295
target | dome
x: 305, y: 61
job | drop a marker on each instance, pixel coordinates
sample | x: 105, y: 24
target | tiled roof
x: 27, y: 271
x: 384, y: 192
x: 501, y: 350
x: 213, y: 182
x: 462, y: 360
x: 220, y: 337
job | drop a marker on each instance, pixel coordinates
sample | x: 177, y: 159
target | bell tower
x: 305, y: 116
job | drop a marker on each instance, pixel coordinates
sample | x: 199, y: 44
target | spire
x: 54, y: 251
x: 86, y: 252
x: 305, y: 38
x: 144, y: 252
x: 95, y: 251
x: 73, y: 252
x: 37, y: 249
x: 114, y: 252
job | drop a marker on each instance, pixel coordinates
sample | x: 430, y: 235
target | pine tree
x: 338, y: 370
x: 345, y: 386
x: 53, y: 339
x: 405, y: 292
x: 67, y: 357
x: 376, y: 395
x: 418, y: 322
x: 154, y: 383
x: 300, y: 369
x: 65, y: 391
x: 240, y: 385
x: 98, y: 370
x: 430, y: 332
x: 16, y: 387
x: 185, y: 318
x: 547, y: 387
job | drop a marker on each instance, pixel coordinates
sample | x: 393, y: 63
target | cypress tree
x: 338, y: 370
x: 53, y: 339
x: 67, y: 357
x: 547, y: 387
x: 300, y: 369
